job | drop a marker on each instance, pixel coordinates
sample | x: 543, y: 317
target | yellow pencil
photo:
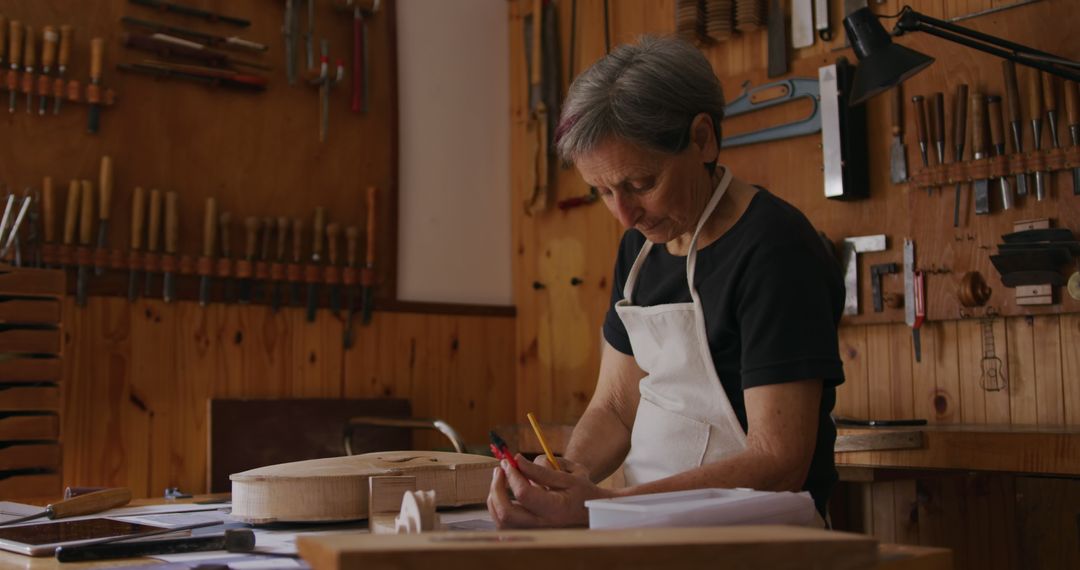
x: 543, y: 442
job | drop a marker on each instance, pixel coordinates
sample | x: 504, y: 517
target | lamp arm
x: 912, y: 21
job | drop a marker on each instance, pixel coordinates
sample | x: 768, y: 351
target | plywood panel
x: 1022, y: 393
x: 946, y: 402
x: 1049, y: 392
x: 1070, y: 367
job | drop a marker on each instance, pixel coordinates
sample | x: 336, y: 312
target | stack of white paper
x: 704, y: 507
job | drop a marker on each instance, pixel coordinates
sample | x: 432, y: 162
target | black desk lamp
x: 883, y: 64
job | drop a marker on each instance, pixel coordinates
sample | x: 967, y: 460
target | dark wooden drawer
x: 19, y: 370
x: 29, y: 455
x: 31, y: 282
x: 29, y: 426
x: 37, y: 341
x: 14, y: 397
x: 31, y: 311
x: 42, y: 486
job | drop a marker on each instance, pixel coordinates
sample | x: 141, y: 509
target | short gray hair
x: 646, y: 93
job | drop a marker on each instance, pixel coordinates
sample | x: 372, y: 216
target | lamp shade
x: 882, y: 64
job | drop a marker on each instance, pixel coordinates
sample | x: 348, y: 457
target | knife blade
x: 172, y: 237
x: 224, y: 229
x: 251, y: 231
x: 898, y: 153
x: 279, y: 258
x: 1035, y: 102
x: 352, y: 237
x: 138, y: 217
x: 333, y: 230
x: 959, y: 117
x: 367, y: 278
x: 153, y: 237
x: 978, y: 150
x: 1072, y: 111
x: 105, y: 187
x: 997, y: 140
x: 1012, y: 102
x: 297, y: 258
x: 316, y: 258
x: 210, y: 221
x: 86, y: 236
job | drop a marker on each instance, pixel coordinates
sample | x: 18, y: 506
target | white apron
x: 684, y: 419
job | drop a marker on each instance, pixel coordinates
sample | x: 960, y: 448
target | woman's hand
x: 543, y: 497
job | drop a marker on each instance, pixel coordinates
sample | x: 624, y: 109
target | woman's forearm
x: 600, y: 442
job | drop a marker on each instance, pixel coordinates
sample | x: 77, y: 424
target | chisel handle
x: 89, y: 503
x: 63, y: 56
x: 960, y: 117
x: 352, y: 236
x: 210, y: 221
x: 251, y: 231
x: 333, y: 230
x: 282, y: 237
x: 138, y: 217
x: 369, y: 259
x: 1012, y: 95
x: 978, y: 124
x: 318, y: 233
x: 71, y: 213
x: 15, y: 43
x: 49, y: 39
x: 1072, y: 102
x: 937, y: 117
x: 48, y: 209
x: 97, y: 54
x: 153, y: 235
x: 897, y: 113
x: 3, y: 35
x: 920, y: 118
x: 1049, y: 90
x: 172, y: 222
x: 29, y: 53
x: 1035, y: 94
x: 86, y: 221
x: 105, y: 187
x: 298, y: 240
x: 267, y: 231
x: 224, y: 221
x: 997, y: 129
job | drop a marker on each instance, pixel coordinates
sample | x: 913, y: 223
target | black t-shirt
x: 772, y: 296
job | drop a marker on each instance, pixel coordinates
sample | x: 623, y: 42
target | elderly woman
x: 721, y: 356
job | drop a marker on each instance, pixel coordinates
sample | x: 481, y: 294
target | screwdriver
x: 87, y: 504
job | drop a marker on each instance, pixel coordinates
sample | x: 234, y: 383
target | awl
x: 138, y: 217
x: 898, y: 154
x: 210, y: 221
x: 317, y: 236
x: 105, y: 187
x: 1012, y: 102
x: 87, y: 504
x: 979, y: 152
x: 997, y: 139
x: 172, y: 237
x: 1072, y: 110
x: 86, y: 236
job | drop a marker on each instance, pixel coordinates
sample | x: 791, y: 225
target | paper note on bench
x: 705, y: 507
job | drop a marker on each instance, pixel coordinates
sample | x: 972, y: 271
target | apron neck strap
x: 691, y: 257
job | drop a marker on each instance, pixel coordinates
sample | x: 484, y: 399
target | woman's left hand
x: 543, y: 497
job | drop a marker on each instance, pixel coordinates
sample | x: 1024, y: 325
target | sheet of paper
x: 10, y: 510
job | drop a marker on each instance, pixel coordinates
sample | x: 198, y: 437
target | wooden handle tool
x: 920, y: 127
x: 86, y: 220
x: 49, y: 38
x: 29, y: 53
x: 87, y: 504
x: 210, y: 221
x: 978, y: 125
x: 267, y: 238
x: 298, y: 240
x: 1049, y: 89
x: 251, y: 232
x: 1072, y: 104
x: 67, y: 35
x: 153, y: 235
x: 172, y: 222
x: 97, y: 55
x: 333, y: 230
x: 1012, y: 96
x: 282, y: 238
x: 352, y: 237
x: 318, y: 234
x: 997, y: 140
x: 896, y: 111
x: 138, y: 217
x: 224, y: 221
x: 1035, y: 106
x: 937, y: 124
x: 71, y: 212
x: 48, y: 210
x: 3, y: 37
x: 15, y: 44
x: 369, y: 259
x: 105, y: 187
x: 959, y: 120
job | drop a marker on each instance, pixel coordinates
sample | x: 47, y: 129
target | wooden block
x: 31, y: 282
x: 26, y: 456
x: 30, y: 370
x: 1036, y: 224
x: 33, y: 311
x: 384, y: 501
x: 29, y: 398
x: 31, y: 486
x: 1035, y: 295
x: 336, y: 489
x: 746, y: 547
x: 871, y: 440
x: 40, y: 341
x: 28, y: 427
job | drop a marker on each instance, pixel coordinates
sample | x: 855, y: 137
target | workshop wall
x: 563, y: 259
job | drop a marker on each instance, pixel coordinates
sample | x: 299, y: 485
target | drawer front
x: 42, y: 486
x: 30, y: 370
x: 27, y: 427
x: 30, y: 455
x: 14, y: 397
x: 31, y: 282
x: 29, y: 311
x: 39, y: 341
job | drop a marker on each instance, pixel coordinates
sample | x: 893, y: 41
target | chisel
x: 87, y: 504
x: 15, y: 46
x: 71, y: 217
x: 317, y: 237
x: 959, y: 117
x: 920, y: 128
x: 897, y: 154
x: 239, y: 540
x: 48, y: 211
x: 29, y: 62
x: 3, y: 39
x: 63, y: 56
x: 105, y: 186
x: 49, y: 38
x: 297, y: 258
x: 86, y: 237
x: 352, y: 236
x: 210, y: 220
x: 97, y: 53
x: 997, y: 140
x: 1049, y: 89
x: 251, y: 234
x: 981, y: 187
x: 224, y: 227
x: 153, y: 237
x: 138, y: 216
x: 333, y: 230
x: 279, y: 258
x: 937, y: 125
x: 172, y: 236
x: 1035, y: 102
x: 1012, y: 102
x: 367, y: 279
x: 1072, y: 110
x: 259, y: 290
